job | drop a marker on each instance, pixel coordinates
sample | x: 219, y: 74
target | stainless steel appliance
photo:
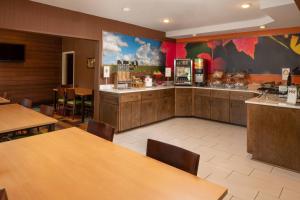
x: 199, y: 72
x: 183, y: 72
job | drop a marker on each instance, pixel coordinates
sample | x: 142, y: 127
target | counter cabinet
x: 125, y: 111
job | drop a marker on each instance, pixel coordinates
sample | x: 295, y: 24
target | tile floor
x: 223, y: 157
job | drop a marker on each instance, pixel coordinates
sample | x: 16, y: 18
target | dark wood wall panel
x: 25, y: 15
x: 84, y: 49
x: 39, y: 74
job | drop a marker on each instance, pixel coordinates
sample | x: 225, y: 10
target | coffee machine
x: 199, y: 72
x: 183, y: 72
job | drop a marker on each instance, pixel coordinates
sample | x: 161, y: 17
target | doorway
x: 68, y: 68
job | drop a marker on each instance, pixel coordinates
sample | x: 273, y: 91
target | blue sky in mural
x: 123, y: 47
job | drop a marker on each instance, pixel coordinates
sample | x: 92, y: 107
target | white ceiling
x: 188, y: 17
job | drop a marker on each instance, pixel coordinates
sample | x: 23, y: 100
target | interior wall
x: 262, y: 57
x: 84, y: 49
x: 30, y: 16
x: 39, y: 74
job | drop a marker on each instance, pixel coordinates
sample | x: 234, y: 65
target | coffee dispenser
x: 199, y: 72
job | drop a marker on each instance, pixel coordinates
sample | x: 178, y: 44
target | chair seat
x: 88, y: 103
x: 61, y: 100
x: 77, y: 102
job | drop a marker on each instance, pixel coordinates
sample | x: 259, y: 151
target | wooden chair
x: 3, y: 195
x: 174, y: 156
x: 61, y: 99
x: 5, y: 95
x: 47, y: 110
x: 89, y: 105
x: 26, y: 103
x: 101, y: 130
x: 71, y: 101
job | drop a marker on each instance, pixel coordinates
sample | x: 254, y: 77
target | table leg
x: 51, y: 127
x: 82, y: 109
x: 55, y: 100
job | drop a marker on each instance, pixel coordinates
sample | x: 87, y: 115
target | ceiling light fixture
x: 246, y: 5
x: 166, y: 21
x: 262, y: 27
x: 126, y: 9
x: 194, y: 35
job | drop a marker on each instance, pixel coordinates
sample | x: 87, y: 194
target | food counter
x: 273, y: 131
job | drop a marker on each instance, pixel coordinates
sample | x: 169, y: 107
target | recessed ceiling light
x: 262, y: 27
x: 126, y: 9
x: 246, y: 5
x: 166, y: 21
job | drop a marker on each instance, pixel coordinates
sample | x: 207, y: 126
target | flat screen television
x: 12, y: 52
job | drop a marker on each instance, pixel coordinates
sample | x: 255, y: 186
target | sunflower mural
x: 256, y: 55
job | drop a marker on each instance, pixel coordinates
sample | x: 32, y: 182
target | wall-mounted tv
x: 12, y: 52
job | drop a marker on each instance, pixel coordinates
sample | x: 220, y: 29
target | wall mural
x: 256, y: 55
x: 150, y: 54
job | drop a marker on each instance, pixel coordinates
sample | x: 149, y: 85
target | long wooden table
x: 4, y: 101
x: 82, y: 93
x: 73, y: 164
x: 14, y: 117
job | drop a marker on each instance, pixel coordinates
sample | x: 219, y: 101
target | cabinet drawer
x: 184, y: 91
x: 150, y: 95
x: 242, y: 96
x: 202, y: 92
x: 167, y: 93
x: 130, y: 97
x: 109, y: 98
x: 220, y: 94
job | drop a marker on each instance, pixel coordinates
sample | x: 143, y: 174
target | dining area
x: 74, y: 163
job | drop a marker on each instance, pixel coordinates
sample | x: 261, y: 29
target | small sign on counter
x: 292, y: 95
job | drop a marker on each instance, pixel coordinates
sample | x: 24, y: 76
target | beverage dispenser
x: 199, y: 72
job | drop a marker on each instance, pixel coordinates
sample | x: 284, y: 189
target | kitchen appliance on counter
x: 123, y: 75
x: 199, y: 72
x: 183, y: 72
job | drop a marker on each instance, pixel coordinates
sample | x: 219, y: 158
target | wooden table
x: 14, y: 117
x: 73, y: 164
x: 82, y: 93
x: 4, y: 101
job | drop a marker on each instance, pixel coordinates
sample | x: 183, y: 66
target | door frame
x: 64, y: 67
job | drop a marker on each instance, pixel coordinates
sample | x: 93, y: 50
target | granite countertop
x: 272, y: 100
x: 122, y: 91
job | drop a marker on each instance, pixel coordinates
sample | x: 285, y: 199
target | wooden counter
x: 72, y: 164
x: 273, y: 134
x: 132, y: 108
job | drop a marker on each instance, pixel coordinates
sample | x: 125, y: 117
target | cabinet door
x: 148, y: 111
x: 125, y: 116
x: 135, y: 114
x: 238, y: 112
x: 202, y: 106
x: 109, y: 114
x: 220, y: 109
x: 165, y: 108
x: 183, y: 105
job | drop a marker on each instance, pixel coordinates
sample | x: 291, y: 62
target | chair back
x: 61, y: 92
x: 3, y: 195
x: 47, y: 110
x: 70, y: 94
x: 26, y: 103
x: 101, y: 130
x: 174, y: 156
x: 5, y: 95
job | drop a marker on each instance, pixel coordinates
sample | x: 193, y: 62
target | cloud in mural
x: 118, y: 46
x: 139, y: 41
x: 112, y: 43
x: 146, y: 55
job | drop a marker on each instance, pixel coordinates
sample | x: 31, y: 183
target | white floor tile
x: 223, y: 157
